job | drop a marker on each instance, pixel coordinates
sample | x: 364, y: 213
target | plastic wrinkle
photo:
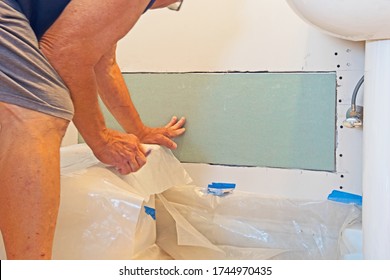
x: 157, y: 213
x: 269, y: 228
x: 105, y: 215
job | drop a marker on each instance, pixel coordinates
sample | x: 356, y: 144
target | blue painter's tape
x: 345, y: 197
x: 220, y: 189
x: 222, y: 185
x: 151, y: 212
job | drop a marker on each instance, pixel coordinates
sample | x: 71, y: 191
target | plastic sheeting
x: 98, y: 216
x: 105, y: 215
x: 156, y: 213
x: 193, y: 224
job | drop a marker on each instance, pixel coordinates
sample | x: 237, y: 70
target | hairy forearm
x: 88, y: 117
x: 116, y: 96
x: 81, y: 81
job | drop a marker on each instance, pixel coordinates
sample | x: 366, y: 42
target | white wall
x: 219, y: 35
x: 253, y: 35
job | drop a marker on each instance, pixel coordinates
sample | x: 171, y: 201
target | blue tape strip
x: 220, y: 189
x: 151, y: 212
x: 345, y: 197
x: 222, y: 185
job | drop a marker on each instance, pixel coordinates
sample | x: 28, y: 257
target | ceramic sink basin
x: 368, y: 21
x: 355, y: 20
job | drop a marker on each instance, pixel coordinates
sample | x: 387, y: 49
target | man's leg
x: 29, y: 180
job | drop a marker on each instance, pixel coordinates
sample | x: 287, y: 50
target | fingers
x: 166, y: 141
x: 171, y: 122
x: 175, y: 127
x: 132, y: 160
x: 164, y: 135
x: 175, y: 123
x: 179, y: 131
x: 132, y: 165
x: 180, y: 123
x: 123, y: 151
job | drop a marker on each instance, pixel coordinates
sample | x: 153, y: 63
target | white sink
x: 369, y: 21
x: 355, y: 20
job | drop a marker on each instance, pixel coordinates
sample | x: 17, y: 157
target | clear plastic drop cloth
x: 98, y: 216
x: 156, y: 213
x: 105, y: 215
x: 162, y: 171
x: 193, y: 224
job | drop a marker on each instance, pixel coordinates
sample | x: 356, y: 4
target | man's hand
x: 122, y: 150
x: 164, y: 135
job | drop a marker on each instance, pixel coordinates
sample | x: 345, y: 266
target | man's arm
x: 74, y: 44
x: 114, y: 93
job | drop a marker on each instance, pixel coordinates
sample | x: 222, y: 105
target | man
x: 56, y: 57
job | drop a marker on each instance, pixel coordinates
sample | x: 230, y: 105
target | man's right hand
x: 122, y: 150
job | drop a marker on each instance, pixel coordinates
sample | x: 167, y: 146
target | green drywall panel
x: 283, y: 120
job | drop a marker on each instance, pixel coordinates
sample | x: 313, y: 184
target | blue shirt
x: 43, y: 13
